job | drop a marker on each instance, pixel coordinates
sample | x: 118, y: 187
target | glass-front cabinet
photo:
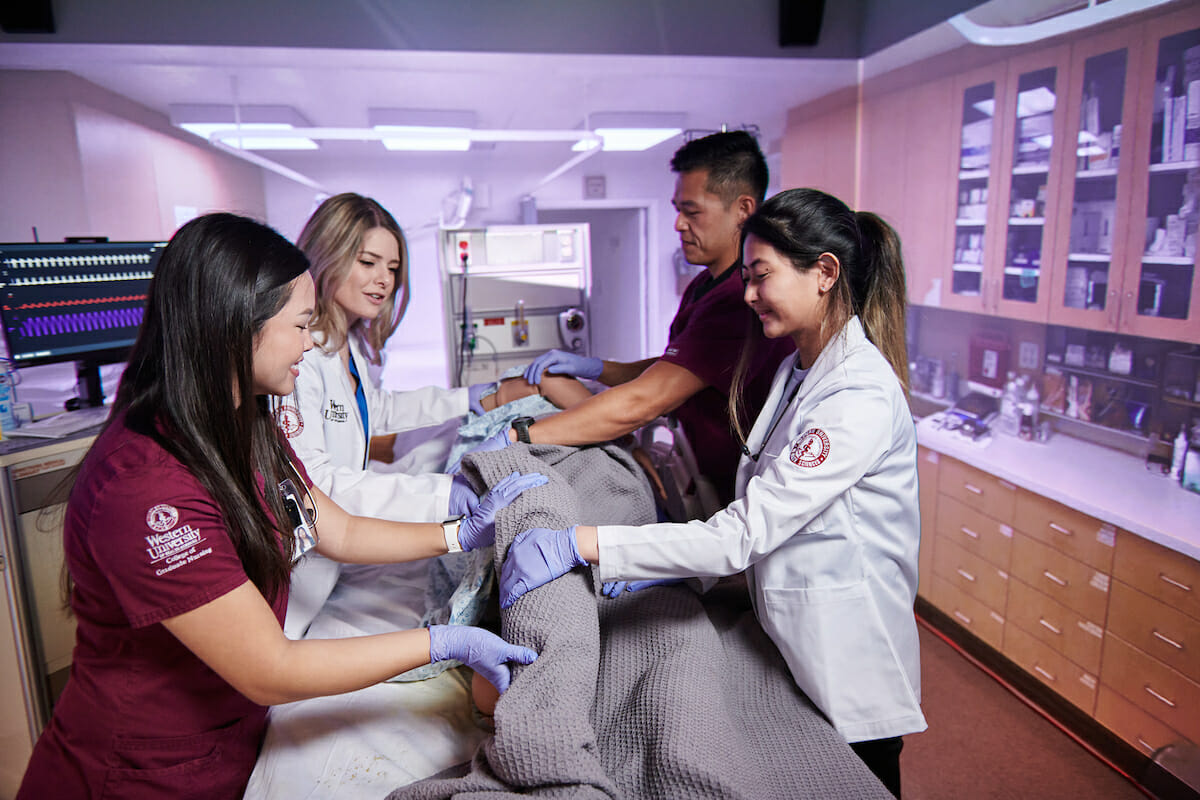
x: 1163, y: 298
x: 1089, y: 270
x: 977, y: 137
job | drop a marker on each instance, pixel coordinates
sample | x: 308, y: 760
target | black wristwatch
x: 521, y: 426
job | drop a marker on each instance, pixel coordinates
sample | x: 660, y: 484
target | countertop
x: 1108, y: 484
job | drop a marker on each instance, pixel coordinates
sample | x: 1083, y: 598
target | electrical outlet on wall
x: 1027, y: 355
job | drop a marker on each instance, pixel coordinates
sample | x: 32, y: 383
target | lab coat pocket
x: 197, y: 767
x: 841, y: 656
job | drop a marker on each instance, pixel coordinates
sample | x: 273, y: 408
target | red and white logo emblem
x: 810, y: 449
x: 162, y: 518
x: 289, y: 421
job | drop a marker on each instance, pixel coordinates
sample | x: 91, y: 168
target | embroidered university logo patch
x: 810, y: 449
x: 289, y: 421
x: 162, y: 518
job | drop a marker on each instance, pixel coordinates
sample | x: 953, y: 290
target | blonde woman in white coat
x: 359, y: 262
x: 825, y: 521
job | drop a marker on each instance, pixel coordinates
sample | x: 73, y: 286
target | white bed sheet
x: 364, y: 744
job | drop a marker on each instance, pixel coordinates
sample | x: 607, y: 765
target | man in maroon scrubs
x: 722, y: 180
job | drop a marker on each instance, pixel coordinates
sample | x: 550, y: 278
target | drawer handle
x: 969, y: 532
x: 1051, y: 576
x: 973, y: 489
x: 1049, y: 627
x: 1054, y: 526
x: 1157, y: 696
x: 1176, y: 584
x: 1044, y: 673
x: 1171, y: 642
x: 966, y: 620
x: 965, y: 574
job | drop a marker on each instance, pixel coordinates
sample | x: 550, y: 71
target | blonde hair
x: 801, y: 224
x: 332, y: 239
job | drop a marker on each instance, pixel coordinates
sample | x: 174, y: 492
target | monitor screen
x: 73, y: 301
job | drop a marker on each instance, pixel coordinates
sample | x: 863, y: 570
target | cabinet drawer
x: 1152, y: 686
x: 1131, y: 723
x: 978, y: 489
x: 969, y: 612
x: 971, y: 574
x: 1051, y: 667
x: 1064, y: 629
x: 1083, y: 537
x: 1156, y: 629
x: 1053, y: 573
x: 974, y: 532
x: 1159, y: 572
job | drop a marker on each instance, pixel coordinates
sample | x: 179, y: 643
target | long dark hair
x: 800, y: 225
x: 217, y: 283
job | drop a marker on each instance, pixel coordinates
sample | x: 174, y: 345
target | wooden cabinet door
x: 1095, y: 231
x: 976, y: 159
x: 1032, y: 123
x: 931, y: 129
x: 1160, y: 288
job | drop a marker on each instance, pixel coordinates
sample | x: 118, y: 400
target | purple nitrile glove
x: 482, y: 651
x: 479, y: 529
x: 463, y: 499
x: 613, y: 589
x: 560, y: 362
x: 536, y: 557
x: 475, y: 393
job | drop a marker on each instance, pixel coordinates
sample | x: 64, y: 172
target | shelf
x: 1096, y: 258
x: 972, y: 174
x: 1027, y: 221
x: 1174, y: 166
x: 970, y: 223
x: 968, y: 267
x: 1023, y: 271
x: 1094, y: 174
x: 1032, y: 169
x: 1181, y: 401
x: 1174, y: 261
x: 1133, y: 435
x: 1104, y: 375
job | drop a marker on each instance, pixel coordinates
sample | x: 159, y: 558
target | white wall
x: 412, y: 187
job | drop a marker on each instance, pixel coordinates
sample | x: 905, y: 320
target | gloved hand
x: 560, y: 362
x: 479, y: 529
x: 536, y: 557
x: 613, y: 589
x: 475, y: 393
x: 482, y: 651
x: 463, y: 499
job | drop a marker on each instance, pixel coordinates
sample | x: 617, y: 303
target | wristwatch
x: 521, y: 426
x: 450, y: 531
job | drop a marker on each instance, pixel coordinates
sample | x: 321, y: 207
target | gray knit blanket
x: 663, y: 693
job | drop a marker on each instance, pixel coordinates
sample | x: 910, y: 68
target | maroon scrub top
x: 141, y: 716
x: 707, y: 336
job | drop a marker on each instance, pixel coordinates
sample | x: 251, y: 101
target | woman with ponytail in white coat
x: 825, y: 522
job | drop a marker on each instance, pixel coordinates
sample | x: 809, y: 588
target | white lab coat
x: 323, y: 425
x: 826, y: 525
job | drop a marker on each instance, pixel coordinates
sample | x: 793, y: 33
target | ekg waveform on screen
x: 68, y: 301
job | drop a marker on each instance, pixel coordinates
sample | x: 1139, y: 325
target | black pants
x: 882, y: 756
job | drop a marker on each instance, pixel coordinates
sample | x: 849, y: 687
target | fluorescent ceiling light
x: 629, y: 138
x: 252, y: 136
x: 1068, y: 22
x: 425, y: 137
x: 243, y: 127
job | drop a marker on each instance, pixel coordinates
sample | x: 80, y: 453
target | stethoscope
x: 778, y: 417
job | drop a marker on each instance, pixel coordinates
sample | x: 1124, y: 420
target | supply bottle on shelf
x: 1029, y: 411
x: 1178, y: 451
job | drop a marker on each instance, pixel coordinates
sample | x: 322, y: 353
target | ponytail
x: 882, y: 305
